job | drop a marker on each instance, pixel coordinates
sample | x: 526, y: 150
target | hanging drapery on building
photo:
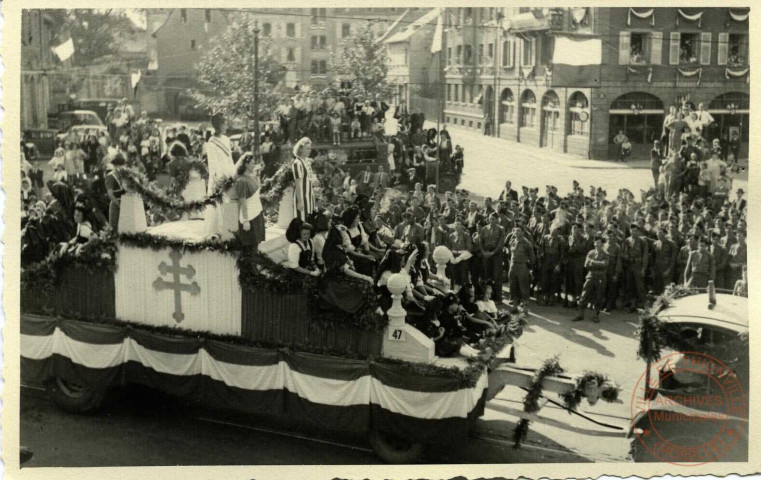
x: 698, y: 17
x: 687, y: 73
x: 739, y: 17
x: 736, y: 73
x: 640, y: 71
x: 576, y: 62
x: 646, y: 14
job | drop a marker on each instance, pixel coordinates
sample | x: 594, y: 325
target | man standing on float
x: 218, y: 153
x: 303, y: 189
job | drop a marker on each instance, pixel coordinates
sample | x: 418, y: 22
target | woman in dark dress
x: 342, y: 286
x: 450, y: 341
x: 358, y: 248
x: 115, y: 191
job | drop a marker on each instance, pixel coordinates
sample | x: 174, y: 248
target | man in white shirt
x: 703, y: 119
x: 714, y: 166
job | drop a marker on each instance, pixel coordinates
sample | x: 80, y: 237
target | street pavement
x: 490, y: 161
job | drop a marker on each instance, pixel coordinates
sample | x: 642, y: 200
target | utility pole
x: 257, y: 133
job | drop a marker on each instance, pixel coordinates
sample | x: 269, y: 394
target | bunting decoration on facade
x: 739, y: 17
x: 698, y: 17
x: 635, y: 71
x: 729, y: 73
x: 686, y: 73
x: 646, y: 14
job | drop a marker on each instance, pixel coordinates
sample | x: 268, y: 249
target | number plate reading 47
x: 397, y: 335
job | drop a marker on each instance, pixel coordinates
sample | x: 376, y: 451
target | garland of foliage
x: 155, y: 197
x: 550, y: 368
x: 156, y: 243
x: 571, y: 399
x: 98, y: 254
x: 180, y: 170
x: 272, y: 188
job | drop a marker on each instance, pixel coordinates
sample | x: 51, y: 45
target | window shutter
x: 723, y: 48
x: 338, y: 30
x: 624, y: 47
x: 298, y: 29
x: 674, y: 48
x: 705, y: 48
x: 297, y: 53
x: 656, y: 47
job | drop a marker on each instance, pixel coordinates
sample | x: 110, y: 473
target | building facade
x: 499, y: 74
x: 36, y: 55
x: 412, y: 68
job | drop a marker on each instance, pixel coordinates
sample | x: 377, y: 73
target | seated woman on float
x: 301, y: 253
x: 83, y: 233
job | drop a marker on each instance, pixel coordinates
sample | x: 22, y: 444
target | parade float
x: 199, y: 317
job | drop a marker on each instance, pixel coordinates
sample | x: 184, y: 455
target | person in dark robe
x: 115, y: 191
x: 342, y: 286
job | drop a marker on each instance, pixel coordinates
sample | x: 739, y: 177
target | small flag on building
x: 438, y: 35
x: 576, y: 62
x: 65, y: 50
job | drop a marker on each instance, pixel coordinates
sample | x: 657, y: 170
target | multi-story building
x: 412, y: 68
x: 36, y: 55
x: 301, y: 39
x: 499, y: 73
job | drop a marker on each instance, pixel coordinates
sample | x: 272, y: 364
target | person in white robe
x: 220, y: 165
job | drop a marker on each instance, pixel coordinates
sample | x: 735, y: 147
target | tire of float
x: 390, y: 453
x: 85, y: 401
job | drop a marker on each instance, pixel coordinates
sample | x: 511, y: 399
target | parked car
x: 97, y: 105
x: 697, y: 332
x: 64, y: 120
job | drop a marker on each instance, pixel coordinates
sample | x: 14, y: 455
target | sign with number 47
x: 397, y: 335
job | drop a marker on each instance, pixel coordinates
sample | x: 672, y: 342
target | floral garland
x: 588, y: 385
x: 99, y: 253
x: 180, y: 170
x: 272, y: 188
x: 154, y: 196
x: 155, y: 243
x: 550, y: 368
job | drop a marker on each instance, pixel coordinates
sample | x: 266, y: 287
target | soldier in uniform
x: 738, y: 257
x: 682, y: 257
x: 664, y: 261
x: 594, y: 287
x: 700, y: 266
x: 461, y: 245
x: 720, y: 260
x: 552, y: 253
x: 492, y: 241
x: 577, y: 251
x: 613, y: 272
x: 635, y: 258
x: 521, y: 258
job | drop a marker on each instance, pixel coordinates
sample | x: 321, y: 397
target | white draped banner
x: 646, y: 14
x: 364, y: 390
x: 739, y: 17
x: 698, y: 17
x: 730, y: 73
x: 209, y: 298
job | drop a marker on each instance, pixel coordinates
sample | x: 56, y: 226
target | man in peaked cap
x: 593, y: 292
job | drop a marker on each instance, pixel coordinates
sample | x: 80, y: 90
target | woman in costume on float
x: 303, y: 189
x: 301, y: 253
x: 246, y: 191
x: 218, y: 153
x: 357, y: 241
x: 342, y: 286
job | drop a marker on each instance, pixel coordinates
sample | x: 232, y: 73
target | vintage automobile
x: 695, y: 406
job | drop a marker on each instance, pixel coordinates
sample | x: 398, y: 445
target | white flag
x: 438, y: 34
x: 135, y: 77
x: 65, y: 50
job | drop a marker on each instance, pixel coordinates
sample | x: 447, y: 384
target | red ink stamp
x: 689, y: 409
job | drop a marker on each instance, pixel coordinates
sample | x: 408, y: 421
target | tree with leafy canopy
x: 226, y: 72
x: 363, y: 61
x: 94, y: 32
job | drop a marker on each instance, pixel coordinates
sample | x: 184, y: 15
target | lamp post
x: 256, y: 90
x: 732, y: 107
x: 636, y: 108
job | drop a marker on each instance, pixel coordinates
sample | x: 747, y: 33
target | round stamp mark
x: 689, y: 409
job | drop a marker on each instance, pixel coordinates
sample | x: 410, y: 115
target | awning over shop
x: 528, y: 22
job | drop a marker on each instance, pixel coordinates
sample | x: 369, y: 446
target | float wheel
x: 74, y: 396
x: 393, y: 449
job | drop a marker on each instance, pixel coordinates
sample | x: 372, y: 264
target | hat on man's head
x: 740, y: 190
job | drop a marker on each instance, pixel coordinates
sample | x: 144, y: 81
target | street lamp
x: 732, y: 107
x: 636, y: 108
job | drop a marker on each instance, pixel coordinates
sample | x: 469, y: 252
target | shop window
x: 578, y: 110
x: 528, y: 109
x: 506, y: 107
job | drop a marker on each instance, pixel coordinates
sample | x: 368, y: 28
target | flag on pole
x: 438, y: 35
x: 65, y: 50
